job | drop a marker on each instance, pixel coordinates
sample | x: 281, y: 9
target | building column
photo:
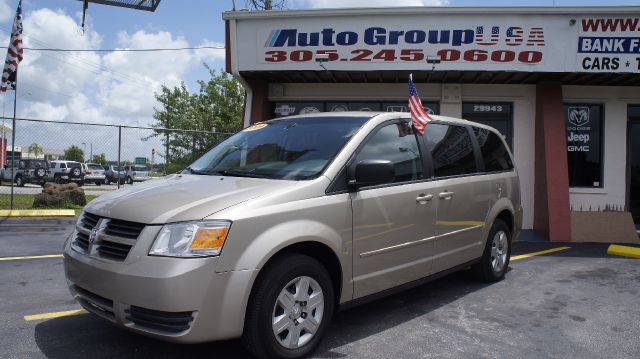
x: 552, y: 217
x: 260, y: 110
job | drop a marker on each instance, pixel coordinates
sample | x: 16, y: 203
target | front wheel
x: 495, y: 259
x: 129, y: 180
x: 19, y: 181
x: 290, y: 308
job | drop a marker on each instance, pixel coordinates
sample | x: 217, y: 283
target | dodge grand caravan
x: 274, y: 229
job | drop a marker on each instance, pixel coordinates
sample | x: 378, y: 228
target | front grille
x: 114, y: 237
x: 124, y: 229
x: 82, y: 241
x: 89, y: 220
x: 168, y: 322
x: 113, y: 250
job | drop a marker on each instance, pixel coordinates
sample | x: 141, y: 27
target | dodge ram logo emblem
x: 578, y: 116
x: 92, y: 236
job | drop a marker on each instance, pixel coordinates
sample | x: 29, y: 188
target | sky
x: 118, y: 87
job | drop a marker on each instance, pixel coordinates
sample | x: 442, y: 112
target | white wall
x: 615, y: 101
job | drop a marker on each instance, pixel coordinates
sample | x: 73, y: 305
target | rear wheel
x: 98, y: 183
x: 129, y: 180
x: 290, y: 308
x: 495, y: 260
x: 19, y: 181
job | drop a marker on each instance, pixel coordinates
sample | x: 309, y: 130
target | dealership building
x: 561, y: 84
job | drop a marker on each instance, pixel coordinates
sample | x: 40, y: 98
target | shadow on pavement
x: 88, y: 336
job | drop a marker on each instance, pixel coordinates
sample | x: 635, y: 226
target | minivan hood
x: 178, y: 198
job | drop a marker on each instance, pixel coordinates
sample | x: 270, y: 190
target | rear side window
x: 63, y: 165
x: 395, y: 143
x: 494, y: 153
x: 451, y: 150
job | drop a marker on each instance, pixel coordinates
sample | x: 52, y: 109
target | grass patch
x: 25, y: 201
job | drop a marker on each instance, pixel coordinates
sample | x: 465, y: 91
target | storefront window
x: 494, y: 114
x: 290, y: 108
x: 584, y: 144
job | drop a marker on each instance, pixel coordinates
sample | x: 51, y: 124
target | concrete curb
x: 624, y: 251
x: 38, y: 213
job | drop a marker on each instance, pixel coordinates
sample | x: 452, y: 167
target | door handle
x: 422, y: 198
x: 445, y: 195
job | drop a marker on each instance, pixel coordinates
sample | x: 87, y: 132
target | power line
x: 124, y: 50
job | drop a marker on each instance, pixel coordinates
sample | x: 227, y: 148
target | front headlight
x: 191, y: 239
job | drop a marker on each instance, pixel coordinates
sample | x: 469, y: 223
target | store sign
x: 584, y: 123
x: 610, y: 44
x: 485, y: 42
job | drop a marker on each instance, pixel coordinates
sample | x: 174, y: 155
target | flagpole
x: 13, y: 136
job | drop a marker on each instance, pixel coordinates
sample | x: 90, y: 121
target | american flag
x: 14, y: 53
x: 495, y: 35
x: 419, y: 116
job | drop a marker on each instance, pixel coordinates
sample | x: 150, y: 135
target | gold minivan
x: 274, y: 229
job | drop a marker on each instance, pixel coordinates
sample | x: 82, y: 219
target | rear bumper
x: 173, y: 299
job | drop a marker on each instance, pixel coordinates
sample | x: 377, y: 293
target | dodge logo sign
x: 578, y: 116
x: 92, y: 236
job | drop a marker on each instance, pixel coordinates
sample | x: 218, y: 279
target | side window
x: 63, y: 165
x: 395, y: 143
x: 494, y: 153
x: 451, y: 150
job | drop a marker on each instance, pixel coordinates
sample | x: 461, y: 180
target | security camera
x: 433, y: 59
x: 322, y: 58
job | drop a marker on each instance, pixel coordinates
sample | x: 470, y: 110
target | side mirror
x: 372, y: 172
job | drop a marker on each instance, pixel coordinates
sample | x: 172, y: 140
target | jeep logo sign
x: 578, y: 116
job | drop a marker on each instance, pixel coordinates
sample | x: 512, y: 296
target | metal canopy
x: 147, y: 5
x: 463, y: 77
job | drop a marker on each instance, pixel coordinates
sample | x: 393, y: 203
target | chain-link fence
x: 153, y: 152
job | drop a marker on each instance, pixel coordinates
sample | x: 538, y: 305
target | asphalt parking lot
x: 577, y: 302
x: 89, y: 188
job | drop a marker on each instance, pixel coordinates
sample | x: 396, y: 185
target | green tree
x: 100, y: 159
x: 74, y: 153
x: 35, y: 149
x: 215, y: 109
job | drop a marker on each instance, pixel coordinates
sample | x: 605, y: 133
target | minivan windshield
x: 291, y: 148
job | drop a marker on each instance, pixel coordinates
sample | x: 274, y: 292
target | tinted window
x: 451, y: 150
x: 494, y: 153
x: 95, y: 167
x: 395, y: 143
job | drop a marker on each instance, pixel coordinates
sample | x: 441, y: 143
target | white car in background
x: 93, y: 173
x: 136, y: 173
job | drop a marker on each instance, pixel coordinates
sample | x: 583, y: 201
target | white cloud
x: 114, y: 87
x: 5, y: 11
x: 367, y: 3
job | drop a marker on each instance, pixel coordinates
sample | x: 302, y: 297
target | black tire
x: 106, y: 181
x: 19, y: 181
x: 129, y: 180
x: 258, y: 337
x: 76, y: 172
x: 485, y: 270
x: 43, y: 183
x: 80, y: 183
x: 98, y: 183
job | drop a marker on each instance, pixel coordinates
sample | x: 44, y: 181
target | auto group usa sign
x: 557, y: 43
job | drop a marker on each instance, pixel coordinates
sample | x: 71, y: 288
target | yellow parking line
x: 37, y: 213
x: 528, y: 255
x: 31, y: 257
x: 625, y: 251
x: 55, y: 314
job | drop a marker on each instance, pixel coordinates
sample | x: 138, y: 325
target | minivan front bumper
x: 181, y: 300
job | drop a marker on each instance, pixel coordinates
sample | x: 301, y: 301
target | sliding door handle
x: 445, y: 195
x: 424, y: 198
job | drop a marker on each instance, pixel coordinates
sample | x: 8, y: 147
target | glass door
x: 633, y: 163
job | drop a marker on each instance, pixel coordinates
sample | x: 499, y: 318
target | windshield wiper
x: 197, y: 172
x: 235, y: 173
